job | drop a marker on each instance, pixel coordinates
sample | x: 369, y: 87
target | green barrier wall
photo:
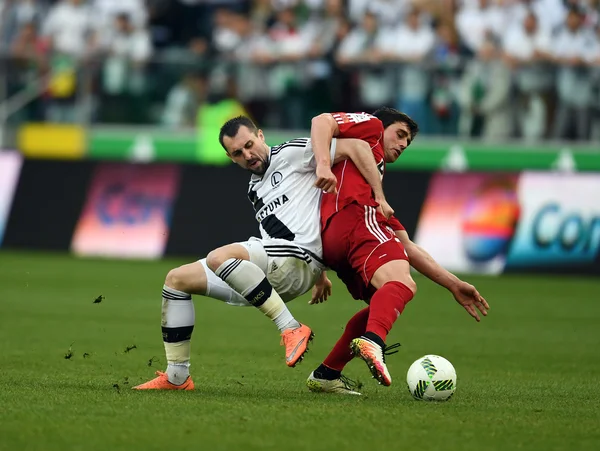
x: 423, y: 154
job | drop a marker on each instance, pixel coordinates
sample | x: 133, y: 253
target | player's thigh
x: 291, y: 277
x: 394, y: 271
x: 217, y: 257
x: 376, y: 254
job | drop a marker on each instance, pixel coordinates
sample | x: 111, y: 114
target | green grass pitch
x: 527, y: 374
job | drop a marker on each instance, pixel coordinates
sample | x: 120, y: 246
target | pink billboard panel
x: 128, y: 211
x: 468, y: 220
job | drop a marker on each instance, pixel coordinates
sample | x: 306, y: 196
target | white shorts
x: 291, y: 270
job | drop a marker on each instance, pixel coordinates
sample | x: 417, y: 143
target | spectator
x: 476, y: 23
x: 221, y: 105
x: 14, y: 15
x: 485, y: 96
x: 592, y: 13
x: 323, y: 27
x: 595, y: 135
x: 128, y: 50
x: 26, y: 65
x: 365, y: 48
x: 106, y: 12
x: 447, y: 57
x: 527, y: 50
x: 411, y: 44
x: 550, y: 14
x: 574, y: 48
x: 291, y: 42
x: 68, y: 28
x: 183, y: 101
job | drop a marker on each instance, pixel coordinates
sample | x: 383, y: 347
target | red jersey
x: 351, y: 186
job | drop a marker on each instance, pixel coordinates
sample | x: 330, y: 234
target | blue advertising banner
x: 560, y: 221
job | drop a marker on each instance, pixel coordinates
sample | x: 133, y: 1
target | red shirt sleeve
x: 396, y: 226
x: 359, y: 125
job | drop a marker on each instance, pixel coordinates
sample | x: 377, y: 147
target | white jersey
x: 285, y: 200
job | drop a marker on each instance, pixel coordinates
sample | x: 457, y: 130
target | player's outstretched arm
x: 361, y: 155
x: 464, y: 293
x: 323, y: 129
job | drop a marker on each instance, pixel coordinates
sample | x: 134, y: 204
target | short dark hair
x: 389, y: 116
x: 232, y: 126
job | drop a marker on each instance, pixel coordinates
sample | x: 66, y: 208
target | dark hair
x: 389, y: 116
x: 232, y: 126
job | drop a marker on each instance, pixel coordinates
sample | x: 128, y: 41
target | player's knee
x: 410, y: 284
x: 216, y: 258
x: 176, y: 279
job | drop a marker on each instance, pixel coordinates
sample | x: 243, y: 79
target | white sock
x: 178, y: 372
x: 177, y: 323
x: 216, y: 288
x: 248, y: 279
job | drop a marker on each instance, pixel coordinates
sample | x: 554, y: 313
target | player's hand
x: 384, y: 208
x: 326, y: 180
x: 321, y: 291
x: 468, y: 296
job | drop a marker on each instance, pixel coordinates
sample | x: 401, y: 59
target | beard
x: 260, y: 168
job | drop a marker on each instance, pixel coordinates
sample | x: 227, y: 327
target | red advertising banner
x: 128, y: 211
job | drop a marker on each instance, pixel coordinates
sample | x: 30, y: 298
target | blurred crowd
x: 494, y: 69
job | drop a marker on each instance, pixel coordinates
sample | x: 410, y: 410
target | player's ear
x: 260, y: 135
x: 228, y: 154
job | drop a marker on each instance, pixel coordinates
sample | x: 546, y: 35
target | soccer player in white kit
x: 285, y: 190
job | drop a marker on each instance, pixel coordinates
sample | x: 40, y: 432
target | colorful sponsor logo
x: 468, y: 220
x: 487, y: 223
x: 128, y: 211
x: 489, y: 219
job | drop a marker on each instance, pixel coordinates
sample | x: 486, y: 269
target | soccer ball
x: 431, y: 378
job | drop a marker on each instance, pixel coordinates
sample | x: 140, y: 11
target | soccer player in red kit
x: 369, y: 251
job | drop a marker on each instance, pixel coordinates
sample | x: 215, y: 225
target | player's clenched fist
x: 384, y: 208
x: 325, y: 179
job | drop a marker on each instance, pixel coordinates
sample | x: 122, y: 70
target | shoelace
x: 348, y: 383
x: 387, y: 350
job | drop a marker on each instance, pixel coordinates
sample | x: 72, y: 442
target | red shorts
x: 357, y: 241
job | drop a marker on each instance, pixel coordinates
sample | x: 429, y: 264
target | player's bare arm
x: 360, y: 153
x: 323, y: 129
x: 464, y: 293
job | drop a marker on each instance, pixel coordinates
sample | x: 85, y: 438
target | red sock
x: 386, y: 306
x: 340, y: 355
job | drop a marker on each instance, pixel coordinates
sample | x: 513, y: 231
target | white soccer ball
x: 431, y: 378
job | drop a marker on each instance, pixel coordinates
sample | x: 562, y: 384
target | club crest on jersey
x: 276, y: 179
